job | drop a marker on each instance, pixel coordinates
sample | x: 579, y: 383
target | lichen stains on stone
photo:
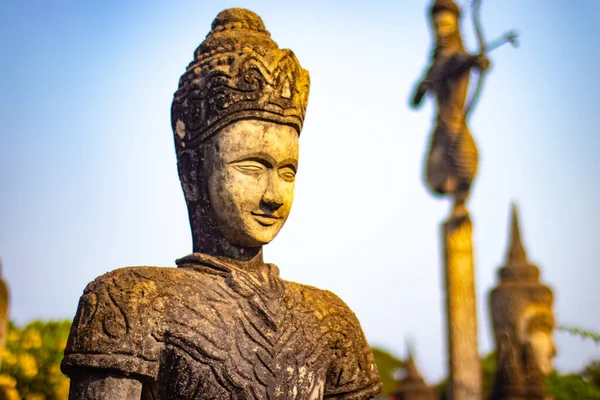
x: 180, y: 129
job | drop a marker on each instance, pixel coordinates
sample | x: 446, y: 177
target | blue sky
x: 88, y: 179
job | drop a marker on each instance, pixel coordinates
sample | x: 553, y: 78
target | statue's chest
x: 250, y: 343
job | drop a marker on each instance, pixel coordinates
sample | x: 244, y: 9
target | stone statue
x: 523, y: 322
x: 224, y: 325
x: 452, y: 159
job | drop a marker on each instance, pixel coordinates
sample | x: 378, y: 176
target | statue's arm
x: 419, y: 93
x: 105, y: 386
x: 424, y: 86
x: 462, y: 63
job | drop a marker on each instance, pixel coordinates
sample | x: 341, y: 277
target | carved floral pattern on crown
x: 238, y: 73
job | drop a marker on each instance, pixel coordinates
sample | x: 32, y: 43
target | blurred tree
x: 592, y: 372
x: 571, y: 387
x: 488, y: 367
x: 31, y: 362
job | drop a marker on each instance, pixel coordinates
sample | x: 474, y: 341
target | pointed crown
x: 519, y: 287
x: 238, y: 72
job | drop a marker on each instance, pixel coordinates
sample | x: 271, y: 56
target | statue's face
x: 535, y: 328
x: 251, y: 186
x: 543, y: 349
x: 445, y: 26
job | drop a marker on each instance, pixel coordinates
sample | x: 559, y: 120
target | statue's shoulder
x: 353, y: 364
x: 326, y: 306
x: 135, y: 277
x: 316, y: 296
x: 118, y: 320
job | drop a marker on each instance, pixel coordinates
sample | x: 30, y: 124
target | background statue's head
x: 236, y: 119
x: 522, y: 317
x: 445, y: 23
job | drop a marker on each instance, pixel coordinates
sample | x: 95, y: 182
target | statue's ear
x: 508, y: 352
x: 504, y: 347
x: 528, y: 358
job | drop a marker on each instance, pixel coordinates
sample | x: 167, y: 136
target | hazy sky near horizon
x: 88, y: 179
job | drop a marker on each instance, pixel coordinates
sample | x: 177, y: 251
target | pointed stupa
x: 516, y: 252
x: 412, y: 386
x: 412, y: 372
x: 517, y: 266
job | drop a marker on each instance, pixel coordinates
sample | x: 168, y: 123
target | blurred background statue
x: 452, y: 160
x: 523, y: 321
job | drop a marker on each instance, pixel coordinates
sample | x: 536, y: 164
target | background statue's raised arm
x: 418, y: 96
x: 420, y: 91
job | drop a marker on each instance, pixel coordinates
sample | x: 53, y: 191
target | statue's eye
x: 287, y: 173
x: 250, y: 167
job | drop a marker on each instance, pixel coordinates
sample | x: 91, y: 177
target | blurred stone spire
x: 412, y: 386
x: 516, y: 252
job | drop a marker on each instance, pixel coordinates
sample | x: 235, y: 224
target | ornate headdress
x: 445, y: 5
x: 238, y: 72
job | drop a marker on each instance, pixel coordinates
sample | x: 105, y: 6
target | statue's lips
x: 265, y: 219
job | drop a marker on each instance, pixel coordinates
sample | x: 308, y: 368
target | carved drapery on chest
x: 212, y: 332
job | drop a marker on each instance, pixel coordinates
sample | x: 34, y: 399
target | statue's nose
x: 272, y: 197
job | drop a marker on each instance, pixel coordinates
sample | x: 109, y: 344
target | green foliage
x: 31, y: 362
x: 580, y: 332
x: 592, y: 373
x: 571, y: 387
x: 489, y: 368
x: 387, y: 364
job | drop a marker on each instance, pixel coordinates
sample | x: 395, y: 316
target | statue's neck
x: 450, y: 50
x: 244, y: 258
x: 208, y: 239
x: 517, y: 375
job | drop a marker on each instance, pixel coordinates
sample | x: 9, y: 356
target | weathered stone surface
x: 224, y: 325
x: 464, y: 365
x: 210, y: 327
x: 452, y: 159
x: 523, y: 321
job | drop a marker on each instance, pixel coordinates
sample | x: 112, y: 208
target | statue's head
x: 522, y: 316
x: 236, y: 119
x: 523, y: 319
x: 445, y: 22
